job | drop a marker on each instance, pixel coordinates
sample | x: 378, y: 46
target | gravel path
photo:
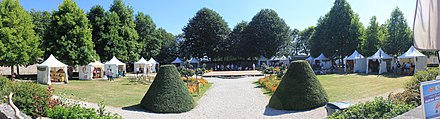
x: 227, y: 98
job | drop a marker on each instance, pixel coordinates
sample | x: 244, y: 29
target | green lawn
x: 354, y: 87
x: 118, y: 93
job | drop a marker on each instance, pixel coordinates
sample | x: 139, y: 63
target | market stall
x: 154, y: 65
x: 51, y: 71
x: 355, y: 63
x: 280, y: 60
x: 93, y: 70
x: 380, y: 62
x: 117, y: 67
x: 142, y: 66
x: 194, y: 62
x: 178, y: 62
x: 263, y: 60
x: 311, y: 60
x: 416, y: 60
x: 323, y: 62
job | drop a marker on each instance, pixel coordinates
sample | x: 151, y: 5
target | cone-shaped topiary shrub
x: 299, y: 89
x: 168, y: 93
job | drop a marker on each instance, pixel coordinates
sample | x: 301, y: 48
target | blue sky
x: 174, y: 15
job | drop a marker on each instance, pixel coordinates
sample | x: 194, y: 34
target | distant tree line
x: 77, y: 37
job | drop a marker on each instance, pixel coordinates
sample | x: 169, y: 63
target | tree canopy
x: 236, y: 46
x: 149, y: 43
x: 69, y: 37
x: 127, y: 31
x: 304, y: 40
x: 18, y: 41
x: 97, y: 17
x: 170, y: 47
x: 338, y: 33
x: 265, y: 34
x: 205, y: 33
x: 399, y: 37
x: 371, y: 43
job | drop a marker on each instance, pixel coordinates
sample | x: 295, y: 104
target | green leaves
x: 265, y: 34
x: 204, y: 34
x: 149, y: 39
x: 69, y: 37
x: 18, y: 42
x: 399, y: 37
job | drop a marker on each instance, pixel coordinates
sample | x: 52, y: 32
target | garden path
x: 227, y: 98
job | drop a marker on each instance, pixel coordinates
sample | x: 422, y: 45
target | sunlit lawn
x: 354, y: 86
x: 118, y: 93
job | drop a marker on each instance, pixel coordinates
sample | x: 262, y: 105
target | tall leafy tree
x: 338, y: 33
x: 41, y: 20
x: 203, y: 34
x: 127, y: 30
x: 303, y: 40
x: 265, y: 34
x: 371, y: 43
x: 113, y: 44
x: 170, y: 47
x: 236, y: 36
x: 293, y: 47
x: 399, y: 34
x: 18, y: 42
x: 149, y: 43
x: 69, y: 36
x: 96, y: 16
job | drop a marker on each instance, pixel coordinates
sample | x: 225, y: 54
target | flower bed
x: 195, y: 84
x: 270, y: 83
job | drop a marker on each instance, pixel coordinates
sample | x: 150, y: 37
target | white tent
x: 414, y: 56
x: 263, y: 60
x: 93, y: 70
x: 282, y: 59
x: 143, y: 65
x: 311, y: 60
x: 154, y: 65
x: 326, y: 63
x: 194, y: 62
x: 359, y: 62
x: 52, y: 70
x: 380, y: 56
x: 178, y: 61
x: 116, y: 66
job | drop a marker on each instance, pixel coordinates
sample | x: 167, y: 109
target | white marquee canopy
x: 51, y: 65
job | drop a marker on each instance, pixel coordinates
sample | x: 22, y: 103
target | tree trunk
x: 18, y: 72
x: 12, y: 72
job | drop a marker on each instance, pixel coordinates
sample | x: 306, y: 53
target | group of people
x: 109, y: 74
x: 404, y: 68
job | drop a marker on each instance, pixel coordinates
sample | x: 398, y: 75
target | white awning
x: 52, y: 62
x: 355, y: 55
x: 142, y: 61
x: 380, y: 54
x: 411, y: 53
x: 321, y: 57
x: 96, y: 63
x: 115, y: 60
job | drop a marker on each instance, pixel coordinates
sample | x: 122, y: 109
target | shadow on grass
x: 391, y: 75
x: 274, y: 112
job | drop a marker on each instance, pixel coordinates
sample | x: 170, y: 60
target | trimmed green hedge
x: 77, y: 112
x: 299, y: 89
x: 24, y: 95
x: 168, y: 93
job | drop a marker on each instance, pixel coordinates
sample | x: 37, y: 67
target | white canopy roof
x: 52, y: 62
x: 355, y: 55
x: 177, y: 60
x: 193, y: 60
x: 321, y: 57
x: 115, y: 60
x: 262, y: 58
x: 310, y: 58
x: 411, y: 53
x: 380, y: 55
x: 280, y: 58
x: 96, y: 63
x: 142, y: 61
x: 152, y: 61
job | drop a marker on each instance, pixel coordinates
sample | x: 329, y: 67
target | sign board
x: 430, y: 94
